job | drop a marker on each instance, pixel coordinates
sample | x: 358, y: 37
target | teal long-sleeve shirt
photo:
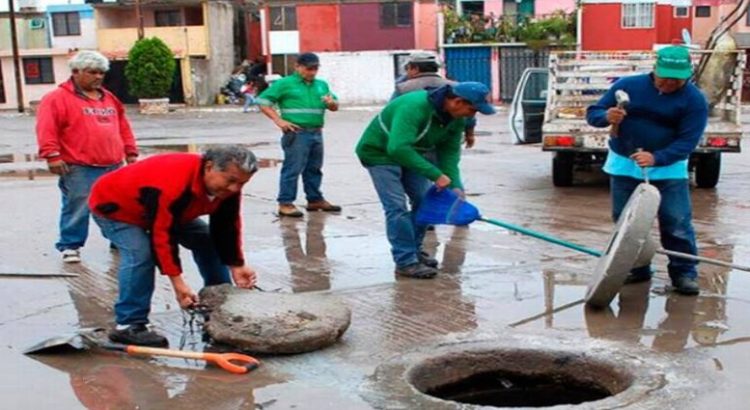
x: 408, y: 127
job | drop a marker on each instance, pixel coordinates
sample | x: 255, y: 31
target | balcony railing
x: 183, y: 40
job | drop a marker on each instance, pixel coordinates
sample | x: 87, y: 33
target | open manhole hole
x: 518, y: 378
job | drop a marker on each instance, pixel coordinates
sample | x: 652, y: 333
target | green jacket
x: 300, y: 102
x: 405, y: 130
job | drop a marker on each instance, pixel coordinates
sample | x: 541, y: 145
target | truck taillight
x: 717, y: 142
x: 560, y: 141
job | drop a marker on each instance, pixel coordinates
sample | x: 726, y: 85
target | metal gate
x: 515, y: 59
x: 469, y: 64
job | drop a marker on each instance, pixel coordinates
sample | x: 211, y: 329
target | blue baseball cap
x: 475, y: 93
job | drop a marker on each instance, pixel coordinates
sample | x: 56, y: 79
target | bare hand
x: 131, y: 158
x: 443, y: 182
x: 469, y: 138
x: 287, y: 126
x: 58, y: 167
x: 183, y: 293
x: 643, y: 158
x: 616, y: 115
x: 243, y: 276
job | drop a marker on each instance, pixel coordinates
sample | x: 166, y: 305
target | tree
x: 150, y: 68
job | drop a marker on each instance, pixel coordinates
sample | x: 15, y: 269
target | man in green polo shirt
x: 302, y: 100
x: 393, y: 149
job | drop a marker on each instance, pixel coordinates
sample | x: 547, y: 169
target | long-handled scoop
x: 86, y: 338
x: 446, y: 207
x: 232, y: 362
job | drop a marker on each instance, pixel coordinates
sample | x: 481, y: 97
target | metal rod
x: 542, y: 236
x: 703, y: 259
x: 596, y: 253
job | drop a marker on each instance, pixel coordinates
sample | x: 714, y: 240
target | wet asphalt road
x: 492, y: 282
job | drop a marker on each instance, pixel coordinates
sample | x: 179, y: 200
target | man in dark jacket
x: 147, y: 215
x: 664, y: 122
x: 422, y: 74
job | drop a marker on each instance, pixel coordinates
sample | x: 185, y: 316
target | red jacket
x: 83, y: 131
x: 161, y: 192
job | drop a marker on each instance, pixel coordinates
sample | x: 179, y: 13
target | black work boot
x: 686, y: 286
x: 427, y: 260
x: 417, y: 271
x: 138, y: 334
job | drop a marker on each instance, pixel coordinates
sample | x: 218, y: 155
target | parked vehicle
x: 574, y: 80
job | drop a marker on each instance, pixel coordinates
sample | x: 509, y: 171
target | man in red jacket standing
x: 150, y: 208
x: 83, y: 133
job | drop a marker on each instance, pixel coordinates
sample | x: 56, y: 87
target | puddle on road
x: 28, y: 165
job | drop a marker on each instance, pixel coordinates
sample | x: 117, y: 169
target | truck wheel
x: 562, y: 169
x: 707, y: 169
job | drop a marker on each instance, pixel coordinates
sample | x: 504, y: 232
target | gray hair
x: 223, y: 156
x: 89, y: 59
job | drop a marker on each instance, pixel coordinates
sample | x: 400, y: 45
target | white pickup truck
x: 549, y: 106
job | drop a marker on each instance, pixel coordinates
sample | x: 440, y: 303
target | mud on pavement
x: 495, y: 287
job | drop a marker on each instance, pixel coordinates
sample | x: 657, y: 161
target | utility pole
x: 139, y: 17
x: 16, y: 58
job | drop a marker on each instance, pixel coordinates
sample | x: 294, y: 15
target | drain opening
x: 505, y: 389
x: 520, y: 378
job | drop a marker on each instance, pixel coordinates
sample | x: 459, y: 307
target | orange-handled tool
x: 232, y: 362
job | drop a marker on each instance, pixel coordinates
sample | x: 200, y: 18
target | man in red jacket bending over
x: 149, y: 208
x: 83, y: 134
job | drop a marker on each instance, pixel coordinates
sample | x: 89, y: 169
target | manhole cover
x: 518, y: 378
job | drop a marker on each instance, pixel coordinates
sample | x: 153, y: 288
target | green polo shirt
x: 299, y: 102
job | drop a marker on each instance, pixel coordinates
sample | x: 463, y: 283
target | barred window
x: 396, y: 14
x: 38, y: 70
x: 638, y: 15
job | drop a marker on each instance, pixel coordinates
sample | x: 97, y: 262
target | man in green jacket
x: 302, y: 100
x: 392, y: 149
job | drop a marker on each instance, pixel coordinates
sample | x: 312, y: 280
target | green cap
x: 674, y: 62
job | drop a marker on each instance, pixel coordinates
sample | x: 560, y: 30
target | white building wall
x: 359, y: 78
x: 87, y: 38
x: 31, y: 92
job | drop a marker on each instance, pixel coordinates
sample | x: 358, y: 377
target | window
x: 682, y: 12
x: 167, y: 18
x: 396, y: 14
x: 2, y: 87
x: 283, y: 64
x: 283, y: 18
x: 66, y: 24
x: 702, y: 11
x: 38, y: 70
x: 638, y: 15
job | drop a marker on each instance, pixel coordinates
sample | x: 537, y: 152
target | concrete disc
x: 625, y: 244
x: 273, y: 323
x: 647, y: 253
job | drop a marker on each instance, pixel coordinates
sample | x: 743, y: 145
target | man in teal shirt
x: 302, y: 100
x: 392, y: 149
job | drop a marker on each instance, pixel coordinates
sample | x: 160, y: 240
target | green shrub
x: 150, y: 69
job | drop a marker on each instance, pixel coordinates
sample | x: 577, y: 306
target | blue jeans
x: 675, y: 221
x: 75, y: 187
x: 394, y: 184
x: 136, y: 272
x: 249, y: 100
x: 303, y: 154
